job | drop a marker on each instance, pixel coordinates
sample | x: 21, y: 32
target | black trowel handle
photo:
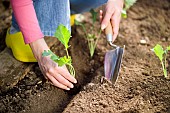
x: 109, y: 34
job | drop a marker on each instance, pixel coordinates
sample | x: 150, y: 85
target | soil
x: 5, y: 16
x: 140, y: 88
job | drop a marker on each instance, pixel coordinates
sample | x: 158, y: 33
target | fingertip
x: 101, y: 16
x: 114, y: 37
x: 68, y: 76
x: 101, y: 11
x: 103, y: 26
x: 72, y: 79
x: 72, y: 86
x: 68, y: 89
x: 57, y: 84
x: 75, y: 81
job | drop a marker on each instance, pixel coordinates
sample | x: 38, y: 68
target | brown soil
x: 140, y: 88
x: 5, y: 17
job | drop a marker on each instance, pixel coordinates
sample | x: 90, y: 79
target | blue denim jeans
x: 51, y: 13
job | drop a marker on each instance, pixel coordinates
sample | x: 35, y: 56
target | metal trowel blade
x: 112, y: 64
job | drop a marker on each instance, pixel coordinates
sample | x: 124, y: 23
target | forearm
x: 26, y: 18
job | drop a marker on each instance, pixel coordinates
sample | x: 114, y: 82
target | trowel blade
x: 112, y: 64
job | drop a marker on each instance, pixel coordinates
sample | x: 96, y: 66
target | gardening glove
x: 112, y: 14
x: 59, y: 76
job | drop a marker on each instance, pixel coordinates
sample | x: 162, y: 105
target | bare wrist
x: 38, y: 47
x: 118, y: 2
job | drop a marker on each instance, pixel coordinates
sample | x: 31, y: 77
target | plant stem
x: 164, y: 69
x: 84, y: 29
x: 88, y: 41
x: 165, y: 58
x: 98, y: 38
x: 72, y: 70
x: 67, y: 52
x: 92, y: 44
x: 93, y: 28
x: 92, y: 48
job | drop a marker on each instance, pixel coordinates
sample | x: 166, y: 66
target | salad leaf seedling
x: 162, y: 54
x: 91, y: 37
x: 63, y: 35
x: 128, y: 4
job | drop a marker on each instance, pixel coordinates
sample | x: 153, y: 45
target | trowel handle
x: 109, y: 34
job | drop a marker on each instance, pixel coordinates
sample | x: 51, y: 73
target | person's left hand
x: 112, y: 14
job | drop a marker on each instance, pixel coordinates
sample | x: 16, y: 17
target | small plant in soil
x: 128, y: 4
x: 63, y: 35
x: 162, y: 55
x: 92, y: 37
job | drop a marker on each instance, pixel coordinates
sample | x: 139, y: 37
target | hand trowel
x: 113, y: 58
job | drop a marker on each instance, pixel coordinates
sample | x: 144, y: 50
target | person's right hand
x: 59, y: 76
x: 112, y: 14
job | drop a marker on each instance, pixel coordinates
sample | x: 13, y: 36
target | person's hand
x: 112, y: 14
x: 59, y: 76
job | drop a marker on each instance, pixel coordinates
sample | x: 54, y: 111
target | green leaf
x: 46, y: 53
x: 63, y: 35
x: 124, y: 13
x: 158, y: 50
x: 91, y: 36
x: 50, y: 53
x: 168, y: 48
x: 77, y: 22
x: 129, y: 3
x: 64, y: 60
x: 80, y: 24
x: 94, y: 15
x: 55, y: 57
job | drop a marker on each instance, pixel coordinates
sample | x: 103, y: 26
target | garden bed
x: 140, y: 88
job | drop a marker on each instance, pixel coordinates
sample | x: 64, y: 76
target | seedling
x: 128, y: 4
x: 91, y: 37
x: 162, y: 54
x: 63, y: 35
